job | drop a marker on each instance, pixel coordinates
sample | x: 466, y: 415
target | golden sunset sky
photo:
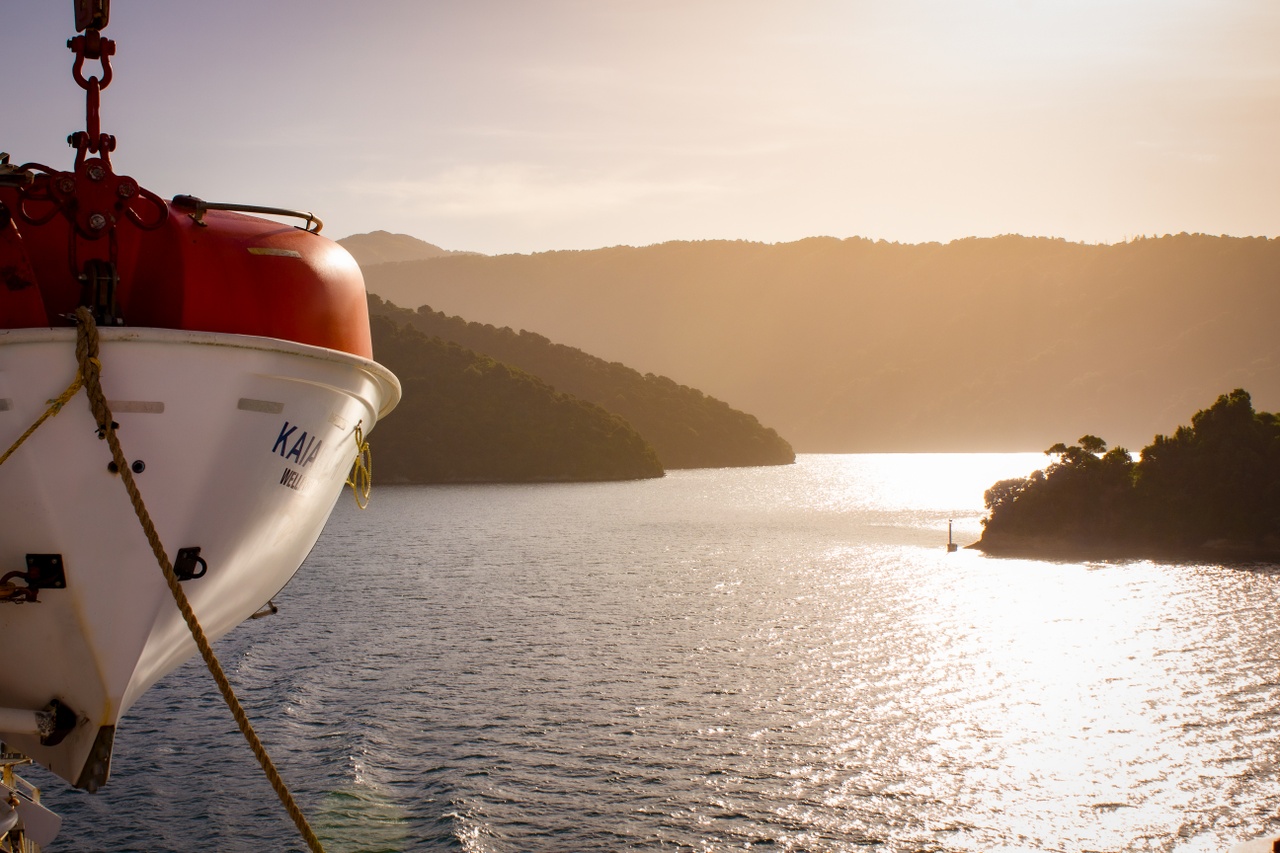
x: 525, y: 126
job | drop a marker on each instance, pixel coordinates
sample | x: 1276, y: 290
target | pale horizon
x: 502, y: 127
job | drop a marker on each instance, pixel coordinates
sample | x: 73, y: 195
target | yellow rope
x: 361, y: 478
x: 90, y: 370
x: 55, y: 406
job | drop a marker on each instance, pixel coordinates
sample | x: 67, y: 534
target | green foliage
x: 1215, y: 483
x: 467, y: 418
x: 1093, y: 444
x: 686, y: 428
x: 1218, y: 478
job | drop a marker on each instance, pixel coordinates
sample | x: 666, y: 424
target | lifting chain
x: 91, y: 197
x: 92, y: 46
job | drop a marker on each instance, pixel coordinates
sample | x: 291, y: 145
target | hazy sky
x: 526, y: 125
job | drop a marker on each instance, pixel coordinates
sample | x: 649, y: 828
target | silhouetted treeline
x: 994, y: 344
x: 686, y: 428
x: 467, y: 418
x: 1212, y: 488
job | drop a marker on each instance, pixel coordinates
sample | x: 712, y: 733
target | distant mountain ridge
x: 988, y: 344
x: 383, y: 247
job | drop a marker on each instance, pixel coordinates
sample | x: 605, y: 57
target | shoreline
x: 1219, y: 551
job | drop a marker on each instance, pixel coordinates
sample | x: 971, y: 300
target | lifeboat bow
x: 234, y: 355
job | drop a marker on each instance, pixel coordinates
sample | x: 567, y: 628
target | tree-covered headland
x: 466, y: 418
x: 685, y: 427
x: 1209, y: 491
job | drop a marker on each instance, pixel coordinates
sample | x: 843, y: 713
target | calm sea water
x: 769, y: 659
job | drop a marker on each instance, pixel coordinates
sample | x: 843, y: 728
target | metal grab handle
x: 13, y: 176
x: 199, y: 206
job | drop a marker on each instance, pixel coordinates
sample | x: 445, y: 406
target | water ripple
x: 780, y: 659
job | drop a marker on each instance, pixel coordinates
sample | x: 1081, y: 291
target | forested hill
x: 687, y: 428
x: 466, y: 418
x: 996, y: 344
x: 1209, y: 491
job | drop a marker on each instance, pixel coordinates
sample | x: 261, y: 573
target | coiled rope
x: 89, y: 377
x: 361, y: 478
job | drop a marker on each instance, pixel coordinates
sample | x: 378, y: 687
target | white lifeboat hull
x: 242, y: 444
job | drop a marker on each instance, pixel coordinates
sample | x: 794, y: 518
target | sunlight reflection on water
x: 771, y: 658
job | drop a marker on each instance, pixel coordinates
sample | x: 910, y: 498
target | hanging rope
x: 90, y: 374
x: 55, y: 406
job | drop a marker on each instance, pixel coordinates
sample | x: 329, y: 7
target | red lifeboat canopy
x: 94, y: 238
x: 193, y: 267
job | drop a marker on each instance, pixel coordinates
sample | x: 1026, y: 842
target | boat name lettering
x: 303, y: 450
x: 295, y: 480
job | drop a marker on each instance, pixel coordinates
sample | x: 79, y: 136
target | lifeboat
x: 234, y: 355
